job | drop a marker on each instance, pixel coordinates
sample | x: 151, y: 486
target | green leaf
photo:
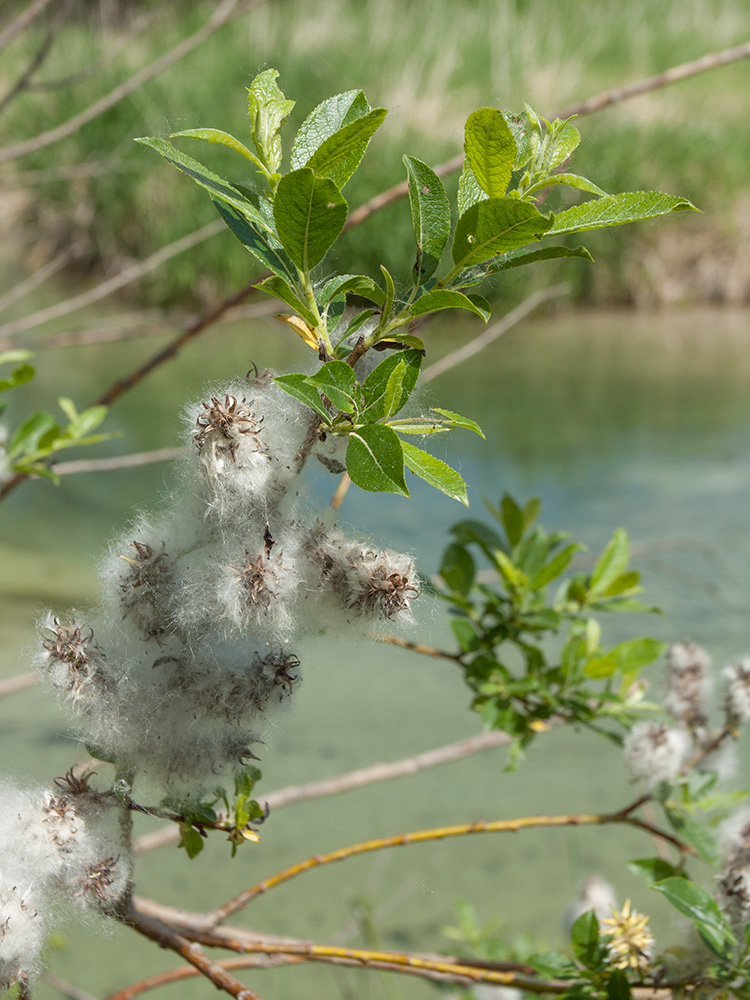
x: 393, y: 390
x: 469, y: 190
x: 611, y: 564
x: 259, y: 240
x: 190, y: 840
x: 215, y: 135
x: 490, y: 150
x: 511, y: 517
x: 696, y: 904
x: 458, y: 571
x: 219, y: 188
x: 457, y: 420
x: 617, y: 210
x: 14, y: 357
x: 375, y: 460
x: 570, y: 180
x: 297, y: 385
x: 627, y: 658
x: 375, y: 385
x: 584, y: 936
x: 430, y: 216
x: 555, y: 567
x: 340, y: 155
x: 27, y: 435
x: 442, y: 298
x: 310, y: 212
x: 618, y: 987
x: 652, y: 870
x: 565, y: 139
x: 390, y: 295
x: 494, y: 226
x: 281, y: 289
x: 357, y: 284
x: 267, y: 108
x: 515, y: 258
x: 339, y: 383
x: 324, y: 121
x: 23, y: 373
x: 693, y: 833
x: 435, y: 472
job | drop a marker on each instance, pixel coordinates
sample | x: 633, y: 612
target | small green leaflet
x: 298, y: 386
x: 375, y: 460
x: 376, y: 384
x: 357, y: 284
x: 215, y: 135
x: 443, y: 298
x: 309, y: 212
x: 612, y: 563
x: 340, y: 155
x: 435, y: 472
x: 268, y: 109
x: 324, y: 121
x: 430, y: 216
x: 282, y: 290
x: 338, y: 382
x: 490, y: 150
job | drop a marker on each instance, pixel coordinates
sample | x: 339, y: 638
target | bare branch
x: 188, y: 971
x: 492, y: 333
x: 223, y: 13
x: 24, y: 19
x: 124, y: 277
x: 191, y: 952
x: 116, y: 462
x: 241, y: 900
x: 57, y: 263
x: 19, y: 683
x: 69, y: 989
x: 418, y: 647
x: 353, y: 779
x: 31, y: 67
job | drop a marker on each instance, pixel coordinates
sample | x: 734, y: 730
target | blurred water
x: 613, y: 419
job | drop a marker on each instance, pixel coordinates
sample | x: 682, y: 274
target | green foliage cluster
x: 289, y: 220
x: 502, y: 626
x: 39, y: 436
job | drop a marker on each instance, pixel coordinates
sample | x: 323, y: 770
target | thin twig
x: 19, y: 683
x: 116, y: 462
x: 360, y: 778
x: 129, y: 274
x: 61, y: 260
x: 24, y: 19
x: 222, y: 14
x: 70, y: 990
x: 189, y: 971
x: 191, y: 952
x: 137, y: 326
x: 241, y: 900
x: 418, y: 647
x: 31, y: 67
x: 492, y: 333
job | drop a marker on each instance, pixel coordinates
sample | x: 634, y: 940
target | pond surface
x: 614, y: 420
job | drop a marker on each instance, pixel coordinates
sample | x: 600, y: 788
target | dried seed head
x: 737, y: 699
x: 143, y: 587
x: 222, y: 424
x: 253, y: 580
x: 72, y: 648
x: 655, y: 752
x: 687, y: 683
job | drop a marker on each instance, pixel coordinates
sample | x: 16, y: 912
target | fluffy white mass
x: 655, y: 752
x: 195, y: 641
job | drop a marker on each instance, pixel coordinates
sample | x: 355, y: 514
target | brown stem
x: 418, y: 647
x: 165, y: 937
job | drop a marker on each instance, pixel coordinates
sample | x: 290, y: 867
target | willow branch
x: 360, y: 778
x: 124, y: 277
x: 19, y: 683
x: 24, y: 19
x: 418, y: 647
x: 32, y: 66
x: 221, y: 15
x: 441, y: 833
x: 165, y: 937
x: 492, y: 333
x: 70, y: 990
x: 116, y: 462
x: 61, y: 260
x: 189, y: 971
